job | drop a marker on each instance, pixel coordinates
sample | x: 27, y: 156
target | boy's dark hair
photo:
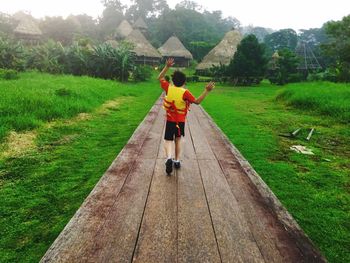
x: 178, y: 78
x: 167, y: 78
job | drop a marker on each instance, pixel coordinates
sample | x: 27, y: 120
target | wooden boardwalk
x: 214, y: 209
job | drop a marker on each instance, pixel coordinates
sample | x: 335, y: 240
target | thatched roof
x: 140, y: 24
x: 123, y: 30
x: 174, y: 48
x: 28, y: 27
x: 142, y: 46
x: 112, y: 43
x: 223, y: 52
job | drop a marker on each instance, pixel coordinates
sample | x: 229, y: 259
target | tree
x: 87, y: 26
x: 286, y: 69
x: 284, y: 38
x: 190, y: 26
x: 59, y: 29
x: 315, y: 37
x: 248, y: 65
x: 259, y: 32
x: 339, y: 47
x: 112, y: 16
x: 7, y: 25
x: 146, y: 9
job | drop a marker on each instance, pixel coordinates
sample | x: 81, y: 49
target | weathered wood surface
x: 214, y: 209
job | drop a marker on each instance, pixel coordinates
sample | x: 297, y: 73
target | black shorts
x: 171, y: 130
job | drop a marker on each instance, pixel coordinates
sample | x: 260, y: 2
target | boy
x: 176, y: 104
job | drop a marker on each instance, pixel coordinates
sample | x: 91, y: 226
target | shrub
x: 141, y: 73
x: 63, y: 92
x: 77, y: 59
x: 49, y: 58
x: 112, y: 63
x: 8, y: 74
x: 12, y: 55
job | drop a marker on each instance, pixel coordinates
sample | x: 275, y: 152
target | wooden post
x: 310, y: 134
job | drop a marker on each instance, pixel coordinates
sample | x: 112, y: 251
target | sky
x: 275, y: 14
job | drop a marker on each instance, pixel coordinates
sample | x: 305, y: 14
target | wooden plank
x: 157, y: 240
x: 115, y: 240
x: 199, y: 138
x: 290, y: 239
x: 96, y: 207
x: 236, y: 242
x: 196, y: 237
x: 188, y: 150
x: 262, y: 223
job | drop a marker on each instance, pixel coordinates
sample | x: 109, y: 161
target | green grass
x: 35, y: 99
x: 326, y: 98
x: 41, y: 189
x: 314, y: 189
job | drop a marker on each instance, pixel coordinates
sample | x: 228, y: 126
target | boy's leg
x: 178, y: 145
x: 168, y: 147
x: 178, y: 148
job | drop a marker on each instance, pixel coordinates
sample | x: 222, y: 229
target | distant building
x: 175, y: 49
x: 146, y: 54
x: 222, y: 53
x: 123, y: 30
x: 27, y: 28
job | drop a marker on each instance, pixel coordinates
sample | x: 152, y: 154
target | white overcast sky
x: 276, y: 14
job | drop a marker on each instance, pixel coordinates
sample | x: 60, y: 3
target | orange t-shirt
x: 188, y: 97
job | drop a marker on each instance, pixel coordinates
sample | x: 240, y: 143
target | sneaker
x: 169, y: 166
x: 177, y: 164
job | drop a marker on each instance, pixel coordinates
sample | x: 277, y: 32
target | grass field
x: 45, y: 181
x: 315, y: 189
x: 68, y: 131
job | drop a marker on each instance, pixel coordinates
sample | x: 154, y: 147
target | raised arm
x: 169, y: 63
x: 209, y: 87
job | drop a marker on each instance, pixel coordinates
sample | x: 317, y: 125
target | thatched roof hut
x: 223, y: 52
x: 123, y: 30
x: 145, y: 52
x: 175, y: 49
x: 27, y: 29
x: 140, y: 24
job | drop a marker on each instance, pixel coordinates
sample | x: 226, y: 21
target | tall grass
x: 325, y: 98
x: 36, y: 98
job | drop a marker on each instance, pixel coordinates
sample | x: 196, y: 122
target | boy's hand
x: 170, y: 62
x: 209, y: 87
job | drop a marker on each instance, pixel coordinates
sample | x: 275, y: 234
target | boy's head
x: 178, y: 78
x: 167, y: 78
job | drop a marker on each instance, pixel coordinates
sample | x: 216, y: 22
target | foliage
x: 141, y: 73
x: 339, y: 46
x: 199, y: 49
x: 86, y: 26
x: 248, y: 65
x: 112, y: 16
x: 8, y: 74
x: 78, y: 59
x: 146, y: 9
x: 49, y: 57
x: 259, y: 32
x: 7, y: 25
x: 59, y: 29
x: 12, y: 55
x: 314, y: 38
x: 112, y: 63
x: 286, y: 69
x: 191, y: 25
x: 284, y: 38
